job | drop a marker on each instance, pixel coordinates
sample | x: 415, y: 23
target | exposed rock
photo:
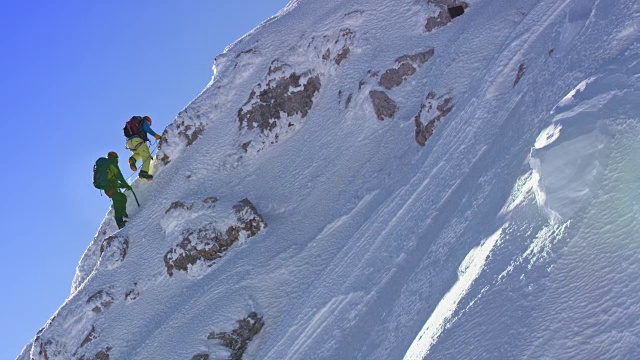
x: 189, y: 252
x: 327, y: 55
x: 248, y: 51
x: 51, y: 349
x: 455, y: 11
x: 100, y: 301
x: 395, y: 76
x: 406, y: 66
x: 103, y: 354
x: 444, y: 15
x: 280, y: 96
x: 114, y: 250
x: 165, y: 160
x: 438, y: 21
x: 200, y: 357
x: 383, y: 105
x: 349, y: 98
x: 342, y: 55
x: 178, y: 205
x: 417, y: 59
x: 277, y: 104
x: 431, y: 112
x: 132, y: 294
x: 248, y: 217
x: 191, y: 133
x: 521, y: 69
x: 90, y: 337
x: 210, y: 200
x: 345, y: 38
x: 182, y: 133
x: 208, y: 242
x: 238, y: 340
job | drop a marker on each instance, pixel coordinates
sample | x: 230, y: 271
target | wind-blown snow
x: 510, y: 233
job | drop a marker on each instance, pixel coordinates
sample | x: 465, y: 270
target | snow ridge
x: 377, y: 180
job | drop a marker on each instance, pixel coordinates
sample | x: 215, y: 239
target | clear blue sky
x: 72, y: 72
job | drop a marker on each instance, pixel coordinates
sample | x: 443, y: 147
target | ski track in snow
x: 511, y: 234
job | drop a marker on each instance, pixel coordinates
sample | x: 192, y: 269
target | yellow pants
x: 140, y: 150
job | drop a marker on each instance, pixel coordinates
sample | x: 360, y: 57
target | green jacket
x: 115, y: 177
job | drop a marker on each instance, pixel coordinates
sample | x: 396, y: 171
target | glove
x: 126, y: 186
x: 157, y: 136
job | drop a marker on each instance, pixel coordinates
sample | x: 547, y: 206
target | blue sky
x: 72, y: 73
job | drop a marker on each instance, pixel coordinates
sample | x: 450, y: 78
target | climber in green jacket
x: 108, y: 177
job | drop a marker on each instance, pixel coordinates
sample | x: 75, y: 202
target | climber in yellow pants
x: 136, y: 131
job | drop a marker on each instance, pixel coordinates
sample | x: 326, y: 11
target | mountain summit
x: 385, y: 180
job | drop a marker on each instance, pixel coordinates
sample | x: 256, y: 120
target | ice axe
x: 134, y: 195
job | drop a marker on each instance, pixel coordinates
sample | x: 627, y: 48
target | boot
x: 120, y: 222
x: 145, y: 175
x: 132, y: 164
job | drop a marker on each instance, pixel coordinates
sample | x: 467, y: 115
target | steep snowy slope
x: 375, y: 180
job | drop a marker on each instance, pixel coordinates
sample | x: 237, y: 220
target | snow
x: 469, y: 270
x: 512, y: 233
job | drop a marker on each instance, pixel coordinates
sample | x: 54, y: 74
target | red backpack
x: 133, y: 127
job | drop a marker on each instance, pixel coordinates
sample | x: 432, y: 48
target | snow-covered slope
x: 370, y: 179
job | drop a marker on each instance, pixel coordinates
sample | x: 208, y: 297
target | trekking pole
x: 134, y: 196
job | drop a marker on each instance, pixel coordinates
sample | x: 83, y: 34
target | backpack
x: 133, y: 127
x: 101, y: 173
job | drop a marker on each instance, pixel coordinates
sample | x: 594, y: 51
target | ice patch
x: 548, y: 136
x: 469, y: 270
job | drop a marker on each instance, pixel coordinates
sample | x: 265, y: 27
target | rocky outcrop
x: 50, y: 349
x: 83, y: 339
x: 178, y: 205
x: 200, y: 357
x: 238, y: 339
x: 290, y: 95
x: 185, y: 130
x: 208, y: 242
x: 521, y: 69
x: 90, y: 337
x: 103, y: 354
x: 431, y: 113
x: 100, y: 355
x: 406, y: 66
x: 383, y: 105
x: 113, y: 250
x: 443, y: 15
x: 100, y: 301
x: 132, y: 294
x: 277, y: 104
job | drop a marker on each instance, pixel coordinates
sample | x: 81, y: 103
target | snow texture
x: 376, y: 180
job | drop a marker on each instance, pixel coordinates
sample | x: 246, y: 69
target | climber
x: 107, y: 177
x: 136, y: 130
